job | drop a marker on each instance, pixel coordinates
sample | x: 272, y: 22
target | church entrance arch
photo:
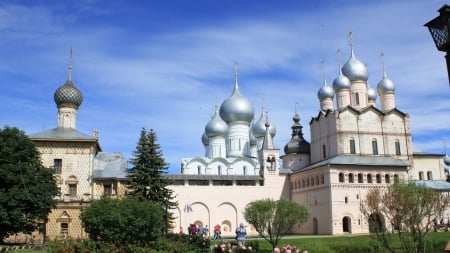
x: 315, y: 226
x: 347, y: 224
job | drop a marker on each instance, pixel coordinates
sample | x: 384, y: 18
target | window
x: 351, y: 178
x: 397, y: 147
x: 317, y: 180
x: 378, y: 179
x: 219, y: 170
x: 107, y: 189
x: 360, y: 178
x: 324, y: 151
x: 312, y: 181
x: 429, y: 175
x: 307, y: 182
x: 421, y: 175
x: 387, y: 178
x: 369, y: 178
x: 64, y: 228
x: 322, y: 179
x: 346, y: 200
x: 352, y: 146
x: 357, y: 98
x: 73, y: 189
x: 303, y: 183
x: 199, y: 170
x: 375, y: 147
x: 295, y: 185
x: 341, y: 178
x: 396, y: 180
x: 245, y: 170
x: 57, y: 164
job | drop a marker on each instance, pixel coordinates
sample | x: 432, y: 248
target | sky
x: 164, y: 65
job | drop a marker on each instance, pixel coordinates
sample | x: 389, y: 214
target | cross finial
x: 235, y: 74
x: 339, y: 60
x: 382, y: 63
x: 350, y: 39
x: 323, y: 73
x: 295, y: 109
x: 70, y: 65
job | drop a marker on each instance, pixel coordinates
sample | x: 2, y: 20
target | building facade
x: 355, y: 146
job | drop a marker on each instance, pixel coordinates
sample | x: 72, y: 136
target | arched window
x: 307, y: 182
x: 352, y: 146
x: 245, y: 170
x: 387, y: 178
x: 396, y: 179
x: 378, y: 179
x: 199, y: 170
x: 219, y: 170
x: 397, y: 147
x: 369, y: 178
x: 317, y: 180
x: 360, y: 178
x: 351, y: 178
x: 322, y: 179
x: 429, y: 175
x: 341, y: 178
x: 374, y: 146
x: 420, y: 175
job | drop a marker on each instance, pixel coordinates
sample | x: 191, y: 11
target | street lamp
x: 439, y: 29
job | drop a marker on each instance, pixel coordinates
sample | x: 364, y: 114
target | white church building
x: 355, y: 146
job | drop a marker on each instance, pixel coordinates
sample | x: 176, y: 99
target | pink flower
x: 276, y: 250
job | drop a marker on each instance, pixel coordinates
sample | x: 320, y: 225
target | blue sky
x: 164, y: 65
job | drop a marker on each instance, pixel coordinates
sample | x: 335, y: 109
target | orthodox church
x: 354, y: 147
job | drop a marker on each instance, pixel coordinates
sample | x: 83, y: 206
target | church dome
x: 325, y: 92
x: 297, y: 144
x: 371, y: 94
x: 68, y: 94
x: 237, y: 107
x: 252, y: 138
x: 205, y: 140
x: 259, y: 128
x: 216, y: 126
x: 341, y: 82
x: 385, y: 85
x: 447, y: 160
x: 354, y: 69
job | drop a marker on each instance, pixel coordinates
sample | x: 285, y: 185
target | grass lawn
x: 330, y: 244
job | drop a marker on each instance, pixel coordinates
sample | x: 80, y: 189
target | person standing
x: 241, y: 233
x: 217, y: 232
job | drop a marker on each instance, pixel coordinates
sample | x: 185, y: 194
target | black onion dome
x: 68, y: 94
x: 297, y: 144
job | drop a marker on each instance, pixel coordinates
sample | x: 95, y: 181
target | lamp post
x: 439, y: 28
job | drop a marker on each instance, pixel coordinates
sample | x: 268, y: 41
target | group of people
x: 199, y: 230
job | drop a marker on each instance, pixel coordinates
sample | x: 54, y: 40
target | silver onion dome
x: 325, y: 92
x: 354, y: 69
x: 447, y: 160
x: 205, y: 140
x: 237, y: 107
x: 341, y: 83
x: 68, y: 94
x: 216, y: 126
x: 385, y: 85
x: 259, y: 128
x: 371, y: 94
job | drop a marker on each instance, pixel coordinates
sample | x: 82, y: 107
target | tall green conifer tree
x: 146, y: 178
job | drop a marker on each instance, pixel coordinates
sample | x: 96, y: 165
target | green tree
x: 274, y: 218
x: 409, y: 209
x: 27, y: 188
x: 122, y: 222
x: 146, y: 178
